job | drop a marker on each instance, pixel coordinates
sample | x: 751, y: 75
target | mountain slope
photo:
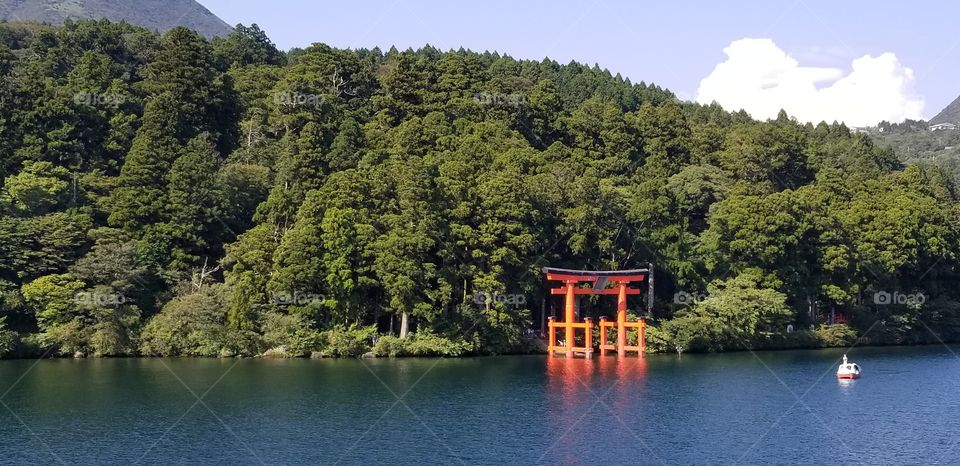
x: 950, y: 114
x: 151, y: 14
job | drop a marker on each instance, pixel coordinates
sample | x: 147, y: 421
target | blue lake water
x: 763, y: 408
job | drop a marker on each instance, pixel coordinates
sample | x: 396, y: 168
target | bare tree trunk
x: 199, y: 278
x: 650, y: 295
x: 543, y: 316
x: 404, y: 324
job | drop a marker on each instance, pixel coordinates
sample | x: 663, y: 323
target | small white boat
x: 848, y: 370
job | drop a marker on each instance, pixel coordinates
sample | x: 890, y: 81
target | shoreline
x: 479, y: 356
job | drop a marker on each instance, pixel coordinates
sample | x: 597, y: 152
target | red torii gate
x: 571, y: 279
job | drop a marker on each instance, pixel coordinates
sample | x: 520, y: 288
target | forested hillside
x: 913, y: 142
x: 167, y: 195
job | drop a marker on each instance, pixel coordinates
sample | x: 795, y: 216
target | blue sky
x: 811, y: 44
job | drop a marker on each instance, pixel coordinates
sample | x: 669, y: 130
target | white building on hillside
x: 943, y: 126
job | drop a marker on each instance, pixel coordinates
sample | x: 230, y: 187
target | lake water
x: 767, y: 408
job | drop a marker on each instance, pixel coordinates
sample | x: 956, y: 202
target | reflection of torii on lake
x: 600, y: 279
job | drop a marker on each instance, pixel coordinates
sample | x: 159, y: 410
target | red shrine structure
x: 598, y: 280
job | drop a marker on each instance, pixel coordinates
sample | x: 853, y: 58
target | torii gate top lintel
x: 567, y: 275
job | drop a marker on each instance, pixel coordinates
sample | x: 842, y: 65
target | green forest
x: 912, y: 141
x: 169, y: 195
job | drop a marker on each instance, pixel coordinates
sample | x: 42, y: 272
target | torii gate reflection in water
x: 571, y: 280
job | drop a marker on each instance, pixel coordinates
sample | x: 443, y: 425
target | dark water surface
x: 775, y: 407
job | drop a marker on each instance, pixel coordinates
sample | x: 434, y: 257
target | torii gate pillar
x: 569, y: 316
x: 621, y: 319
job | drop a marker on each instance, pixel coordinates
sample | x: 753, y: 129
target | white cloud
x: 761, y: 78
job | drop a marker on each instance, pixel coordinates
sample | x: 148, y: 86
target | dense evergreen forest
x: 170, y: 195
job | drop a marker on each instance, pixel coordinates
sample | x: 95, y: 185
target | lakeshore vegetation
x: 170, y: 195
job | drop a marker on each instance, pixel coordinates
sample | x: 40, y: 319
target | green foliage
x: 247, y: 46
x: 193, y: 207
x: 241, y: 200
x: 97, y: 321
x: 689, y: 333
x: 835, y: 335
x: 912, y: 141
x: 738, y: 314
x: 347, y: 342
x: 139, y: 197
x: 390, y: 346
x: 249, y: 261
x: 190, y: 325
x: 52, y: 297
x: 39, y: 187
x: 8, y: 338
x: 291, y: 332
x: 420, y: 344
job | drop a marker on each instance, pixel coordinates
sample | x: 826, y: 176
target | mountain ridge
x: 158, y: 15
x: 949, y: 114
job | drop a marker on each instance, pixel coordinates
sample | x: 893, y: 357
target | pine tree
x: 185, y: 69
x: 194, y: 200
x: 140, y: 196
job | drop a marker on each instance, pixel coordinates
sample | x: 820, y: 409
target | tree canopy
x: 169, y: 195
